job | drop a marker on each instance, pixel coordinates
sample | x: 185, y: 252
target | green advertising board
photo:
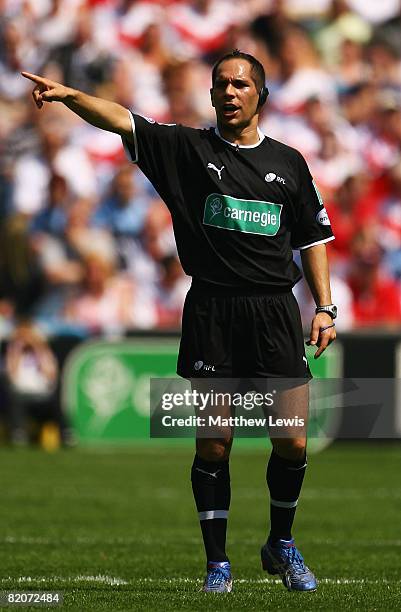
x: 105, y: 386
x: 322, y: 417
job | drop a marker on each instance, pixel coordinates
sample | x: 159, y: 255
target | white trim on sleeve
x: 126, y: 146
x: 307, y: 246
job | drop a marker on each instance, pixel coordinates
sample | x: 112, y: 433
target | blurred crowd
x: 86, y: 244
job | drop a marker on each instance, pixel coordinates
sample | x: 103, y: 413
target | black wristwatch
x: 331, y: 310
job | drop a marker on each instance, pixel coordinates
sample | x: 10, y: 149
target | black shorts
x: 226, y: 335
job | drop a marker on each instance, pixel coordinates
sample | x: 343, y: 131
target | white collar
x: 233, y: 144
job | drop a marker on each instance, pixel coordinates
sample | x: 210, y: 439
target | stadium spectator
x: 376, y: 297
x: 32, y: 172
x: 303, y: 76
x: 171, y: 292
x: 84, y: 61
x: 134, y: 18
x: 61, y: 256
x: 57, y: 26
x: 156, y: 241
x: 340, y: 42
x: 31, y: 372
x: 345, y: 214
x: 104, y: 303
x: 21, y: 280
x: 16, y: 49
x: 52, y: 218
x: 139, y: 74
x: 302, y: 9
x: 181, y: 90
x: 375, y: 12
x: 202, y: 25
x: 124, y: 211
x: 383, y: 138
x: 32, y: 385
x: 389, y: 234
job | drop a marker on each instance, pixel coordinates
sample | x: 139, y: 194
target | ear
x: 211, y: 96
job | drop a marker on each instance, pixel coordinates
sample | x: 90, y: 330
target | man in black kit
x: 240, y: 202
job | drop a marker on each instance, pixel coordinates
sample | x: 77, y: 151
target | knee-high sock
x: 284, y: 479
x: 212, y: 493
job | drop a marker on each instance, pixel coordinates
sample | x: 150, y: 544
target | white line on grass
x: 115, y: 581
x: 100, y: 578
x: 144, y: 540
x: 103, y: 579
x: 269, y: 580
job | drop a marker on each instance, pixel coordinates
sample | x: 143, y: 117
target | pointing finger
x: 34, y: 77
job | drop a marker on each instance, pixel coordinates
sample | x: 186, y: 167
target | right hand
x: 46, y: 90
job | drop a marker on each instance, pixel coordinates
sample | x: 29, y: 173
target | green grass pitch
x: 117, y: 529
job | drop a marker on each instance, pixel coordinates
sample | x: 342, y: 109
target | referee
x: 240, y: 203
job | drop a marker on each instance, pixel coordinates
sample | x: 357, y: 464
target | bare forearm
x: 100, y: 113
x: 316, y: 270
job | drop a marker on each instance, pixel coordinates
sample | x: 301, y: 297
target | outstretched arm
x: 100, y: 113
x: 316, y: 270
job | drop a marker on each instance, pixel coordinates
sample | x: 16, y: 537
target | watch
x: 331, y: 310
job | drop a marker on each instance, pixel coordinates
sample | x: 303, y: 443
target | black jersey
x: 237, y: 211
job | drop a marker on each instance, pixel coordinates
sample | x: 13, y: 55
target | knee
x: 293, y: 449
x: 214, y: 449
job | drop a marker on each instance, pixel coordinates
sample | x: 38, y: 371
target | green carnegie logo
x: 249, y: 216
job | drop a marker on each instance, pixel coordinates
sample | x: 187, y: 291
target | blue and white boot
x: 218, y: 578
x: 285, y: 559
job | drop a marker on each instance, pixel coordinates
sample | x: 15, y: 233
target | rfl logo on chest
x: 272, y: 176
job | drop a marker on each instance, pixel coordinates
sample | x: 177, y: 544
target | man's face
x: 234, y: 94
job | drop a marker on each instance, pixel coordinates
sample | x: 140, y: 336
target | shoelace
x: 217, y: 575
x: 295, y: 558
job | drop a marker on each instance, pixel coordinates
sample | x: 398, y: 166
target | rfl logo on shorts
x: 199, y: 365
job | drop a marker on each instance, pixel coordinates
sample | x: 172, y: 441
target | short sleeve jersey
x: 237, y: 211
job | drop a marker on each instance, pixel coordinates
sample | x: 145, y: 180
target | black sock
x: 212, y: 493
x: 284, y: 479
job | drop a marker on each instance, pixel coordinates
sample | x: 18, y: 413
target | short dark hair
x: 258, y: 72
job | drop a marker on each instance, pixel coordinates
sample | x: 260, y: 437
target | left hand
x: 319, y: 338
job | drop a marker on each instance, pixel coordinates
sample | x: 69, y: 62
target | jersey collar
x: 238, y: 146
